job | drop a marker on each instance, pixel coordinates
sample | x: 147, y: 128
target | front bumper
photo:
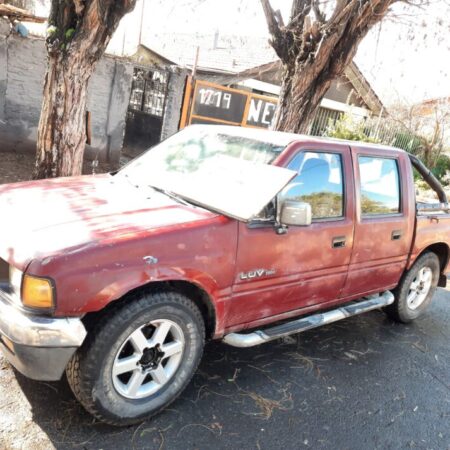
x: 39, y: 347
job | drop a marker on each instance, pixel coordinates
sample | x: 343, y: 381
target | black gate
x: 145, y: 110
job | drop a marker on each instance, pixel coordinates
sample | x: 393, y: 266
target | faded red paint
x: 108, y: 228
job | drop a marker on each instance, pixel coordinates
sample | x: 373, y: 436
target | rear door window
x: 379, y: 185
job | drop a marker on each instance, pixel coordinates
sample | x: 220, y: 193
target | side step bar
x: 309, y: 322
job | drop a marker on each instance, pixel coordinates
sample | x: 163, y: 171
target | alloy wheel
x: 148, y: 359
x: 419, y: 288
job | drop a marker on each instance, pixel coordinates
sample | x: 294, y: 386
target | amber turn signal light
x: 37, y: 292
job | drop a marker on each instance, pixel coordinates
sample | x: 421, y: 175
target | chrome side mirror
x: 295, y: 213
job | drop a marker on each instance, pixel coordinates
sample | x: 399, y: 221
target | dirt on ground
x: 16, y: 167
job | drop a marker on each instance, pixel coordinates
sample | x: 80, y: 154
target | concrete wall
x: 4, y: 29
x: 22, y: 70
x: 174, y: 101
x: 108, y: 97
x: 25, y: 63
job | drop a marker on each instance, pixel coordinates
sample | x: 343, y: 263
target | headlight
x: 15, y: 279
x: 37, y: 292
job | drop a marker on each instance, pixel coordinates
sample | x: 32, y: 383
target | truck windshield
x: 223, y: 170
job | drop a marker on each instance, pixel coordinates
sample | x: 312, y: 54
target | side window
x: 380, y: 187
x: 319, y: 183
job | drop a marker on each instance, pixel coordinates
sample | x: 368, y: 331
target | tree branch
x: 300, y: 9
x: 320, y: 16
x: 274, y: 25
x: 79, y: 7
x: 279, y: 18
x: 340, y: 5
x: 271, y: 19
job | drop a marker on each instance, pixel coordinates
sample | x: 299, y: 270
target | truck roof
x: 283, y: 139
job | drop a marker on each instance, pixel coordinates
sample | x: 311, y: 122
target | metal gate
x: 146, y: 109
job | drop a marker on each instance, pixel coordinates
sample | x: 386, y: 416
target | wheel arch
x: 193, y: 291
x: 442, y: 251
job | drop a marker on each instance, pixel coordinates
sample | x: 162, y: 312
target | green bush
x: 441, y: 171
x: 441, y: 168
x: 349, y: 129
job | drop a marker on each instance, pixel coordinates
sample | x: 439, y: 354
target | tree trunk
x: 303, y: 90
x: 315, y: 49
x: 62, y: 126
x: 299, y: 100
x: 78, y: 35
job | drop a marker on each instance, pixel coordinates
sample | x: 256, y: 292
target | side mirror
x: 295, y: 213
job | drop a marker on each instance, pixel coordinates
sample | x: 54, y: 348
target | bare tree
x: 77, y: 36
x: 316, y: 45
x: 429, y: 123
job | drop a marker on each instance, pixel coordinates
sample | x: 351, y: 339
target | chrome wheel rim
x: 419, y: 288
x: 148, y: 359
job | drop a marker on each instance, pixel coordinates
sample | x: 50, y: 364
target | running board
x: 307, y: 323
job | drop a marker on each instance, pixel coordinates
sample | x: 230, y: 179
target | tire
x: 126, y: 371
x: 422, y: 277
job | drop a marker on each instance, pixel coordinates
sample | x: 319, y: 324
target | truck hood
x: 220, y: 168
x: 43, y: 218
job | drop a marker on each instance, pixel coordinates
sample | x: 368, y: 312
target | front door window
x: 319, y: 183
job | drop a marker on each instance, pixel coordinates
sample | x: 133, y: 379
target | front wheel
x: 139, y: 359
x: 415, y: 290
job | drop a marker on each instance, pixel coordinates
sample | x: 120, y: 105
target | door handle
x: 338, y: 242
x: 396, y: 235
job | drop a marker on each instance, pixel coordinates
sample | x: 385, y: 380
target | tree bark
x: 315, y: 49
x: 78, y: 35
x: 62, y: 126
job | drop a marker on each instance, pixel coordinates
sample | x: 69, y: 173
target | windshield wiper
x: 172, y: 195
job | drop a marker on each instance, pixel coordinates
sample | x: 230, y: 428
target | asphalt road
x: 362, y: 383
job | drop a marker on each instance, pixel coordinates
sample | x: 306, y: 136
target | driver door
x: 306, y: 266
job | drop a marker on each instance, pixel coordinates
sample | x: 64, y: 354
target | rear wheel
x: 139, y: 358
x: 416, y: 289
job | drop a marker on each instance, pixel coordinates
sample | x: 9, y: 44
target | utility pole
x: 142, y: 22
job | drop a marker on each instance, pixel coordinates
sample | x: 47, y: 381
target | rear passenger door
x: 384, y: 220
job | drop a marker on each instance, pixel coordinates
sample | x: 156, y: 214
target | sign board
x: 212, y: 103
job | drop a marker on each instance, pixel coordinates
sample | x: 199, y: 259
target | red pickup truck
x: 217, y: 233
